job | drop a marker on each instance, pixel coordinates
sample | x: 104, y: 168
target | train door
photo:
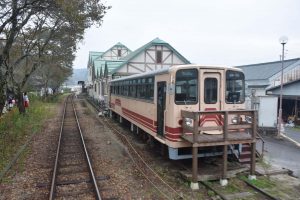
x: 210, y: 97
x: 161, y: 105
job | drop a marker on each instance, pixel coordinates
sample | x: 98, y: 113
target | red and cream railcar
x: 153, y: 101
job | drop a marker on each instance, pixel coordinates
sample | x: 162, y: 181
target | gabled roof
x: 263, y: 71
x: 154, y: 42
x: 119, y: 44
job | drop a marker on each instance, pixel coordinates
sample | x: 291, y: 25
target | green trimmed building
x: 119, y: 61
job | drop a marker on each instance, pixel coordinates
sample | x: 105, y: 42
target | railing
x: 191, y: 121
x: 238, y: 134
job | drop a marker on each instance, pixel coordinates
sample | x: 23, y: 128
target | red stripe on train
x: 112, y: 105
x: 172, y: 134
x: 217, y: 119
x: 118, y: 102
x: 139, y: 118
x: 150, y: 121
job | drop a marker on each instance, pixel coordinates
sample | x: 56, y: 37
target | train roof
x: 167, y: 70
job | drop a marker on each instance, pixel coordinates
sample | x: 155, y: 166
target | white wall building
x: 119, y: 61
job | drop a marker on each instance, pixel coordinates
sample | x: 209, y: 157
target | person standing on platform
x: 26, y: 100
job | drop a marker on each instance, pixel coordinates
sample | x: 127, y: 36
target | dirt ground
x: 31, y: 179
x: 110, y: 159
x: 118, y: 175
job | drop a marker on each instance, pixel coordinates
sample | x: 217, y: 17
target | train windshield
x: 235, y: 87
x: 186, y: 89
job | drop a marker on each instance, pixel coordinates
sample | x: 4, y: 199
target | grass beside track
x: 15, y: 128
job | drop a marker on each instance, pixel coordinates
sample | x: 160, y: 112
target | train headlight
x: 248, y: 119
x: 234, y: 120
x: 188, y: 121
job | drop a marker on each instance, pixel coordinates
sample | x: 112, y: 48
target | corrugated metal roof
x: 155, y: 72
x: 156, y: 41
x: 93, y: 55
x: 262, y: 71
x: 290, y: 88
x: 107, y: 65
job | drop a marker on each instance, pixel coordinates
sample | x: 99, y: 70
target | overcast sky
x: 207, y: 32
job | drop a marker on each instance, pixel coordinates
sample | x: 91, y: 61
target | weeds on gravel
x: 16, y: 128
x: 297, y: 128
x: 261, y: 182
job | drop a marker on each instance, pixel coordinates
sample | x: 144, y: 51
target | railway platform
x: 239, y: 133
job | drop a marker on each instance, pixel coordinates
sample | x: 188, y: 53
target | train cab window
x: 210, y: 90
x: 235, y: 87
x: 186, y: 86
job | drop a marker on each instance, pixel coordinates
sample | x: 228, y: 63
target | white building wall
x: 146, y: 61
x: 112, y: 54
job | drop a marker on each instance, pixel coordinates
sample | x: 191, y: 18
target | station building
x: 264, y: 79
x: 120, y: 61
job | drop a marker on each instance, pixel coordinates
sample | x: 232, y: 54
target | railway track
x: 250, y: 190
x: 73, y: 176
x: 167, y: 192
x: 246, y: 191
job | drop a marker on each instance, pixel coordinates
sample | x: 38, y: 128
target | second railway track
x: 164, y: 189
x: 73, y: 176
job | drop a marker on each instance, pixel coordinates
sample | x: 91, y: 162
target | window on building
x: 186, y: 86
x: 119, y: 53
x: 158, y: 56
x: 210, y: 90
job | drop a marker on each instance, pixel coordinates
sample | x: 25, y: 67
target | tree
x: 34, y: 30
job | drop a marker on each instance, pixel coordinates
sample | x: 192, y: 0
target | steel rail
x: 222, y: 196
x: 214, y: 190
x: 125, y: 140
x: 53, y: 185
x: 98, y: 196
x: 260, y: 190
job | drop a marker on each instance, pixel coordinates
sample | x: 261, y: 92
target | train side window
x: 186, y: 86
x: 134, y: 88
x: 126, y: 90
x: 130, y: 88
x: 118, y: 90
x: 235, y: 87
x: 210, y: 90
x: 150, y: 88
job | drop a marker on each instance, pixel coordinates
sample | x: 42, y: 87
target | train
x: 153, y: 102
